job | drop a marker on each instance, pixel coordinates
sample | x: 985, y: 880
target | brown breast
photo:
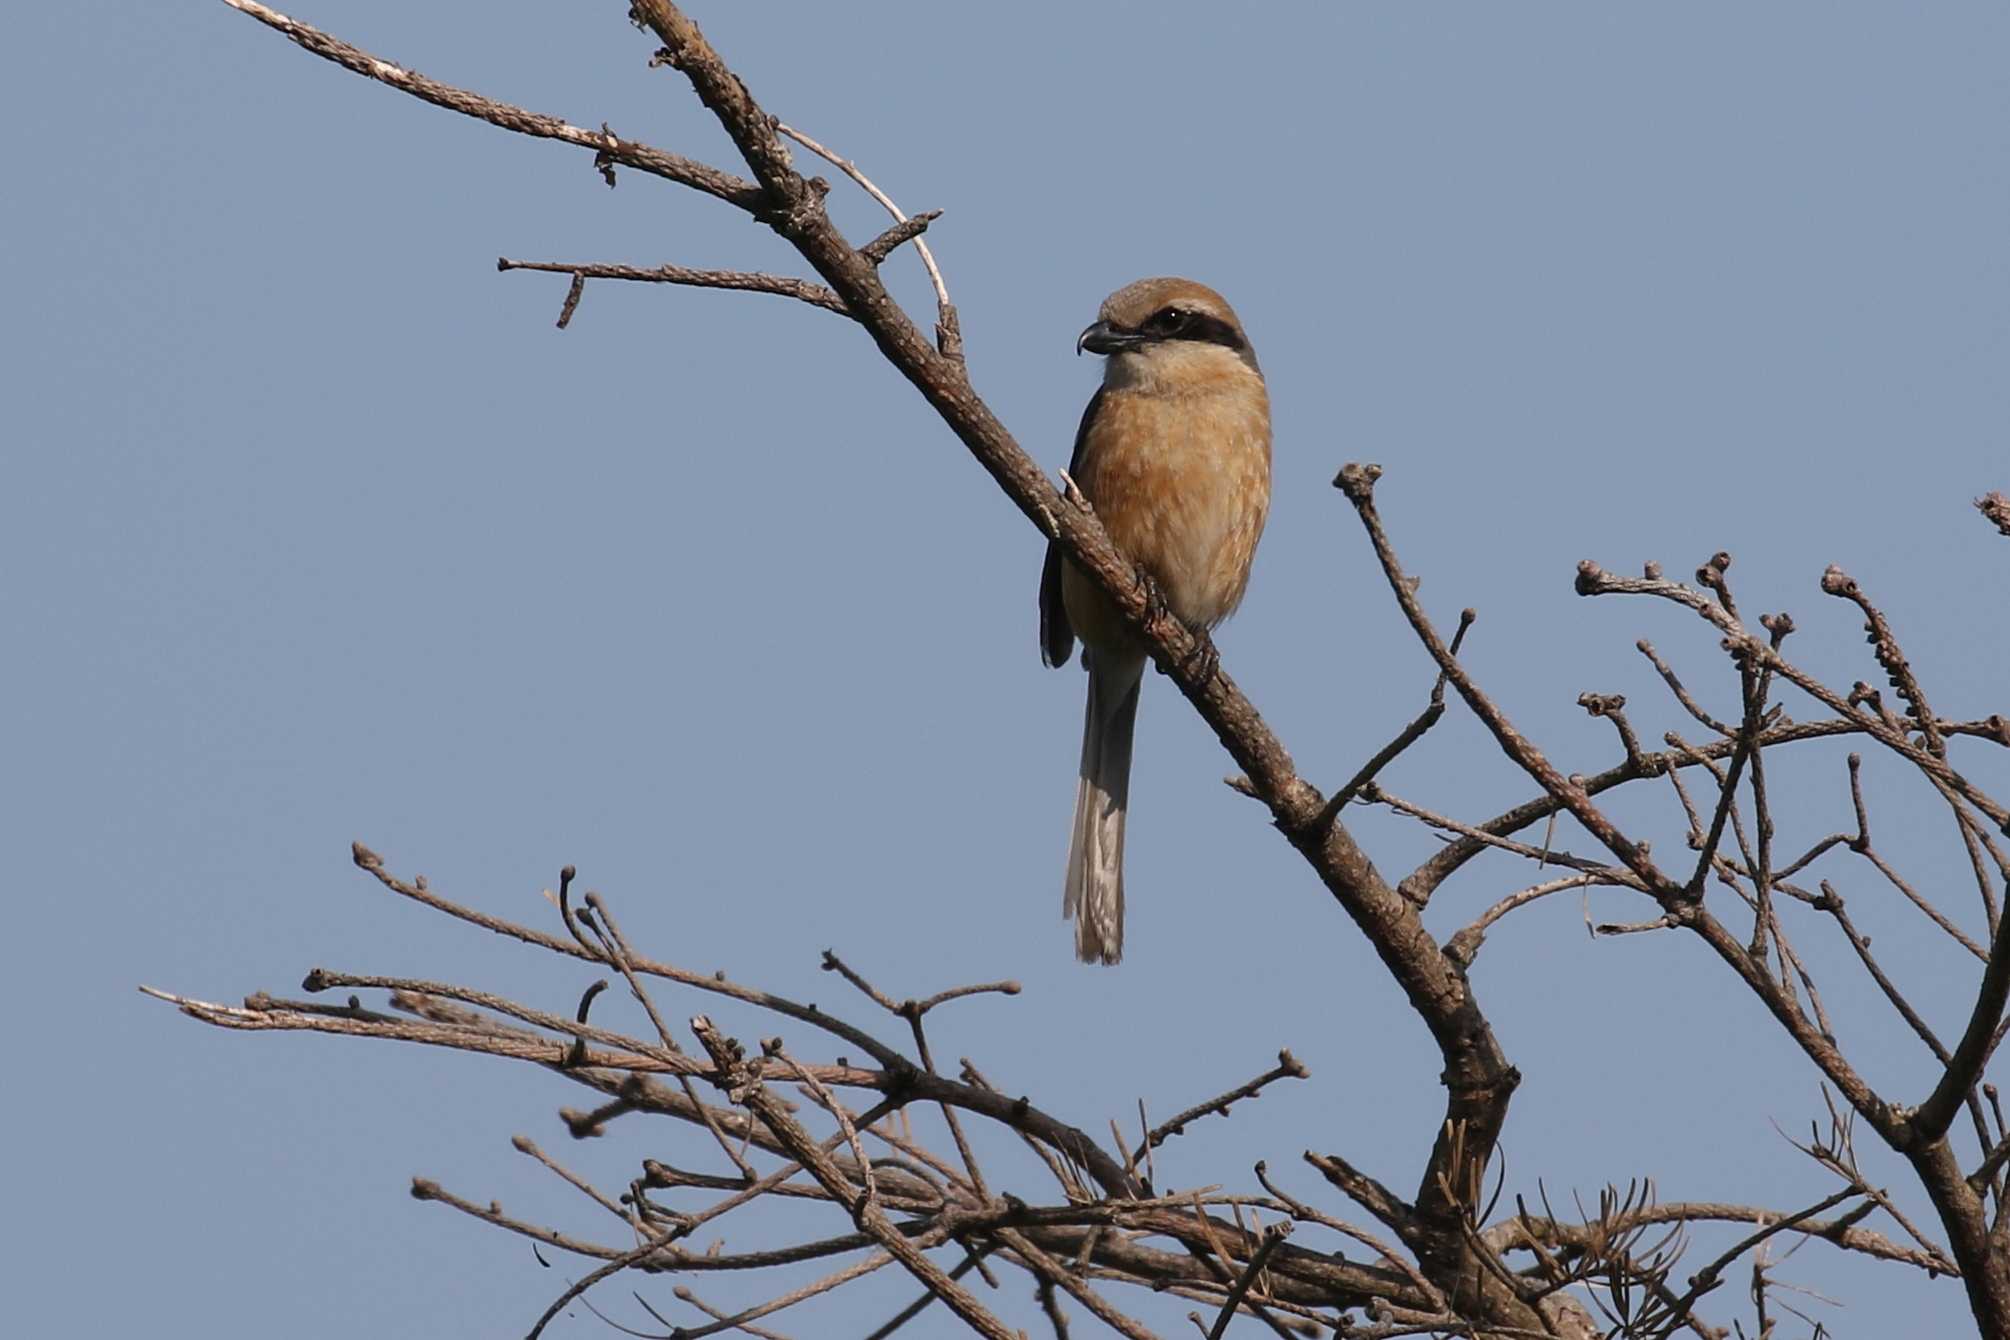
x: 1182, y: 482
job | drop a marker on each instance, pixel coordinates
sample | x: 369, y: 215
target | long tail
x: 1095, y: 887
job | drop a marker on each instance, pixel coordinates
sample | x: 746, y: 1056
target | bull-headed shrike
x: 1174, y: 455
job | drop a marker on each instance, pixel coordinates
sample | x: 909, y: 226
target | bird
x: 1173, y: 455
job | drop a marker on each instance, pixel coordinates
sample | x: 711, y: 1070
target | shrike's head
x: 1169, y: 335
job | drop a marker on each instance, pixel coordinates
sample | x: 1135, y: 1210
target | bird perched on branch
x: 1174, y: 456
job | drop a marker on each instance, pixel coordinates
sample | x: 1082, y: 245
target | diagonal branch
x: 1358, y: 483
x: 1288, y: 1066
x: 1477, y: 1075
x: 1884, y: 645
x: 1259, y: 1258
x: 891, y: 240
x: 1707, y: 1278
x: 1932, y: 1118
x: 1408, y: 736
x: 605, y: 143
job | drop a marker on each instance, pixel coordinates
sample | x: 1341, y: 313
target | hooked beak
x: 1103, y: 338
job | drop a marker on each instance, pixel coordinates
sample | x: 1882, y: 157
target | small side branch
x: 1465, y: 945
x: 1390, y: 1210
x: 1995, y: 509
x: 1408, y: 736
x: 1934, y: 1115
x: 1884, y: 644
x: 1612, y: 706
x: 1288, y: 1066
x: 1841, y: 1232
x: 744, y: 281
x: 1707, y: 1278
x: 889, y: 241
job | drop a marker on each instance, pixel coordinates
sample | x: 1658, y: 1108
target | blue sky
x: 316, y: 530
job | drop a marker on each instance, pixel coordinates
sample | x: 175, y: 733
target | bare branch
x: 1832, y: 903
x: 605, y: 144
x: 1055, y: 1273
x: 1408, y: 736
x: 738, y: 1323
x: 746, y: 1089
x: 1612, y: 706
x: 1376, y: 795
x: 906, y: 230
x: 1288, y: 1066
x: 1593, y: 580
x: 427, y: 1189
x: 948, y: 338
x: 943, y: 997
x: 1425, y: 879
x: 1995, y: 509
x: 744, y: 281
x: 416, y: 889
x: 1675, y: 686
x: 914, y: 1309
x: 1931, y: 1119
x: 1465, y: 945
x: 1884, y: 644
x: 1272, y: 1236
x: 525, y: 1145
x: 832, y: 963
x: 1358, y: 483
x: 1394, y: 1259
x: 1706, y: 1279
x: 1369, y: 1194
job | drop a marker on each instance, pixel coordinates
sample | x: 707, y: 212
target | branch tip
x: 1357, y: 481
x: 1995, y: 508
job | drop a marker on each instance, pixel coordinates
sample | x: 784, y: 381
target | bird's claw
x: 1204, y: 659
x: 1156, y: 607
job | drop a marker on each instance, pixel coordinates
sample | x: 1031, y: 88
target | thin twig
x: 742, y: 281
x: 948, y: 338
x: 1408, y: 736
x: 1288, y: 1066
x: 914, y: 1309
x: 1272, y: 1236
x: 1465, y: 945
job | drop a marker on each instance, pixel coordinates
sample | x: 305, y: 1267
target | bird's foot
x: 1204, y: 659
x: 1156, y: 607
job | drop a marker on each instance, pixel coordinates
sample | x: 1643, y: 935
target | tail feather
x: 1094, y: 894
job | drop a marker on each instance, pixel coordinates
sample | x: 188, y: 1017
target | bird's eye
x: 1169, y: 321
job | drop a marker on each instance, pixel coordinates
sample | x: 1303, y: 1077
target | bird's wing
x: 1057, y: 635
